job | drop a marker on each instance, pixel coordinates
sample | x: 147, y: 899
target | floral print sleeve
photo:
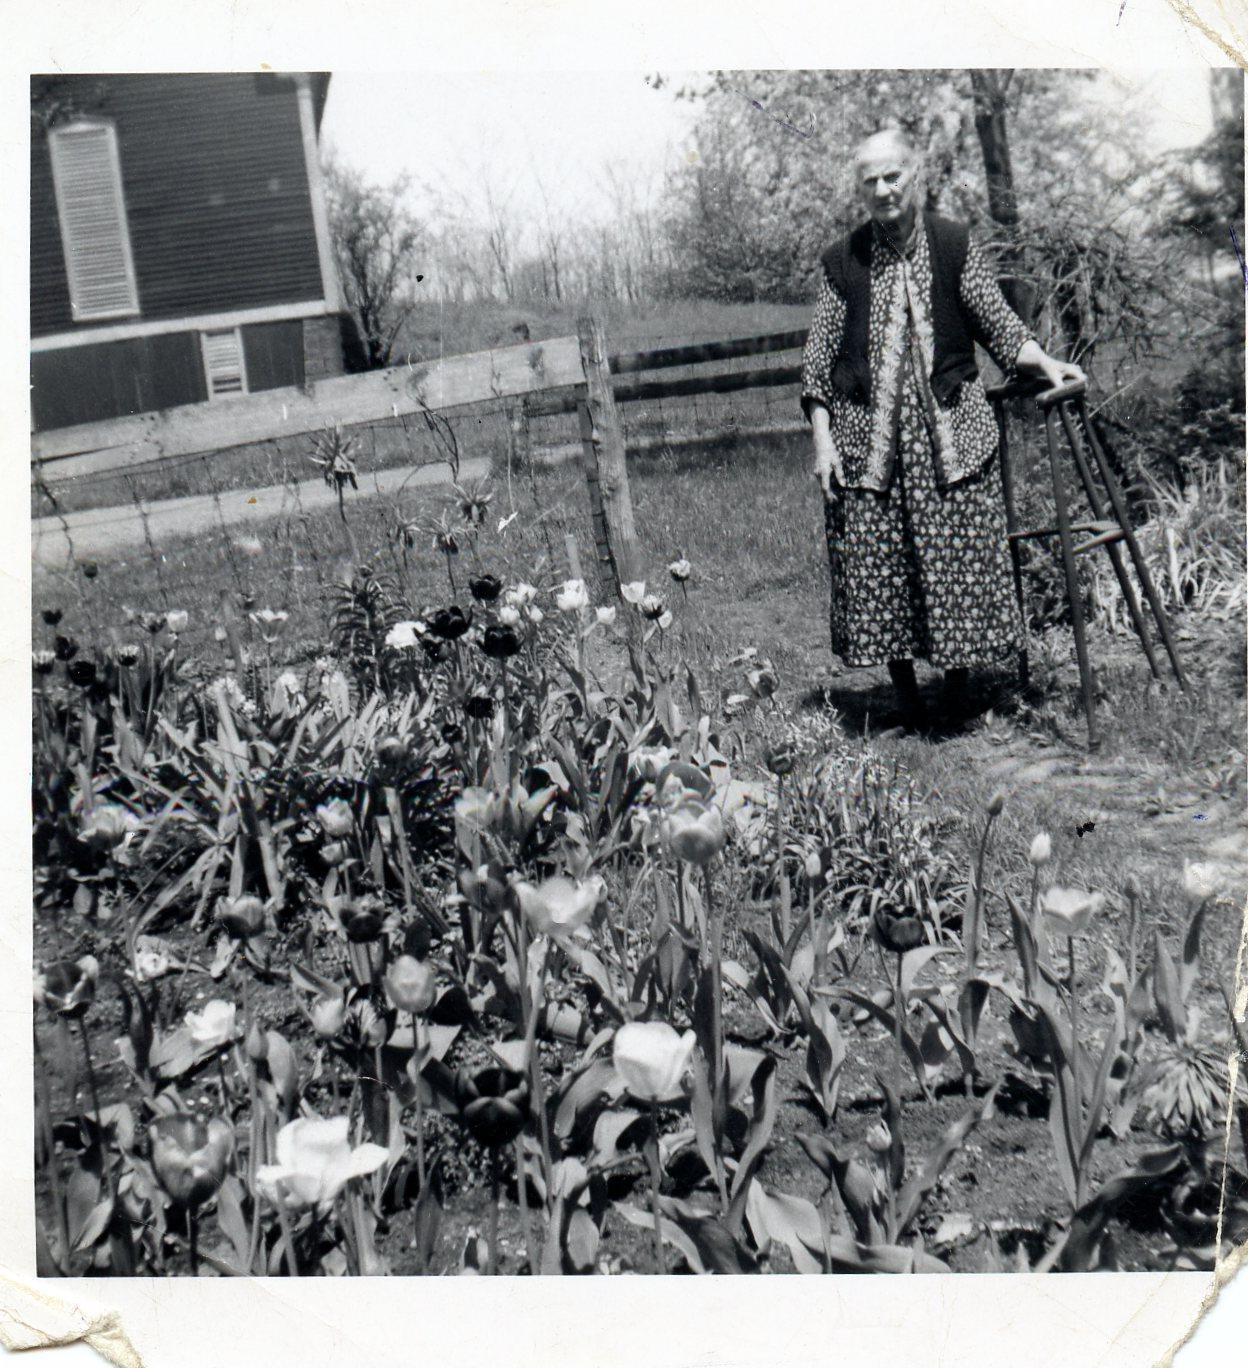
x: 822, y: 345
x: 998, y: 328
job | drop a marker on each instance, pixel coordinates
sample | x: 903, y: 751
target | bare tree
x: 378, y: 242
x: 551, y: 236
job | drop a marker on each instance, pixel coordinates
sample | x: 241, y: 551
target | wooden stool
x: 1063, y: 404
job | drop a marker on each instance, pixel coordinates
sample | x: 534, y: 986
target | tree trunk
x: 989, y: 89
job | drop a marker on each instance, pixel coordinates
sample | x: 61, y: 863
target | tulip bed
x: 490, y: 944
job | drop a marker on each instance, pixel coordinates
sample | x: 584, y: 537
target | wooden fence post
x: 602, y: 444
x: 519, y: 437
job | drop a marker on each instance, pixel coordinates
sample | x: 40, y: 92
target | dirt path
x: 98, y: 531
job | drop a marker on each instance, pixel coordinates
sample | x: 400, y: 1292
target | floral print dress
x: 916, y: 534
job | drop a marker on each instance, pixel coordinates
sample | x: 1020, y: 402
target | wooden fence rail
x: 549, y: 375
x: 563, y: 375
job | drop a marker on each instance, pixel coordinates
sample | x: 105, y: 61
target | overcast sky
x: 557, y: 131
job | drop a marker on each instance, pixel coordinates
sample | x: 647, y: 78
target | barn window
x: 86, y: 176
x: 223, y: 363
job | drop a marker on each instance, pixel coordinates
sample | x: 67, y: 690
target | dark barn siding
x: 216, y: 196
x: 274, y: 354
x: 114, y: 379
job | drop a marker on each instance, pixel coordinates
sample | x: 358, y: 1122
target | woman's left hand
x: 1032, y: 358
x: 1061, y: 372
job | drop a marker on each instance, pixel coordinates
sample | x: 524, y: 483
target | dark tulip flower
x: 500, y: 641
x: 493, y: 1104
x: 128, y: 654
x: 485, y: 588
x: 42, y: 662
x: 450, y: 623
x: 67, y: 987
x: 452, y: 733
x: 480, y: 707
x: 361, y: 918
x: 391, y: 750
x: 66, y: 647
x: 242, y: 917
x: 52, y: 616
x: 90, y: 569
x: 780, y: 758
x: 434, y: 649
x: 896, y: 929
x: 189, y: 1156
x: 81, y: 672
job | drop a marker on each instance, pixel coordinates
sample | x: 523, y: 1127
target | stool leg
x: 1072, y: 581
x: 1137, y: 557
x: 1011, y: 526
x: 1115, y: 552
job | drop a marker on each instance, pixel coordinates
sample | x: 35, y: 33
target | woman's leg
x: 901, y: 672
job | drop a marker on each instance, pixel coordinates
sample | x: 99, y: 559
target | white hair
x: 886, y: 137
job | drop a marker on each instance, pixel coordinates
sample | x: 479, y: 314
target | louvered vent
x: 87, y: 177
x: 223, y: 363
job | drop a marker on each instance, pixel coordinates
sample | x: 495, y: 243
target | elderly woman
x: 905, y: 440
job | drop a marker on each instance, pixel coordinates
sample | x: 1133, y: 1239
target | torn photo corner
x: 635, y: 673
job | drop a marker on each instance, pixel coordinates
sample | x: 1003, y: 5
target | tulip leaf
x: 757, y: 1137
x: 670, y: 1232
x: 582, y: 1094
x: 427, y: 1218
x: 609, y: 1131
x: 914, y: 961
x: 283, y: 1069
x: 910, y: 1200
x: 172, y: 1054
x: 94, y: 1226
x: 312, y: 982
x: 231, y: 1219
x: 702, y: 1113
x: 82, y: 1194
x: 1063, y: 1146
x: 1167, y: 991
x: 582, y: 1240
x: 1190, y: 966
x: 791, y: 1221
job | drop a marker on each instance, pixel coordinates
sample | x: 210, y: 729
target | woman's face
x: 886, y: 182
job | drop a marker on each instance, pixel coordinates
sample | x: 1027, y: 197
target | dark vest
x: 847, y: 265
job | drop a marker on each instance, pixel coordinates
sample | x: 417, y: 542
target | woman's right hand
x: 823, y: 467
x: 825, y: 449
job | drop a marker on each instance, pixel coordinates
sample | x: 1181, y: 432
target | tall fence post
x: 519, y: 436
x: 602, y: 444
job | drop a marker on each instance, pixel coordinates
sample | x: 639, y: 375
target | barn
x: 180, y: 244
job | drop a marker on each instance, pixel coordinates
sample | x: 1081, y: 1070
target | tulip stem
x: 225, y: 1094
x: 91, y: 1084
x: 899, y: 1008
x: 492, y: 1268
x: 1133, y: 935
x: 977, y: 898
x: 529, y: 1010
x: 656, y: 1174
x: 511, y: 744
x: 288, y: 1239
x: 522, y: 1194
x: 1074, y: 1026
x: 718, y: 1107
x: 420, y: 1105
x: 49, y: 1143
x: 192, y: 1241
x: 784, y: 903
